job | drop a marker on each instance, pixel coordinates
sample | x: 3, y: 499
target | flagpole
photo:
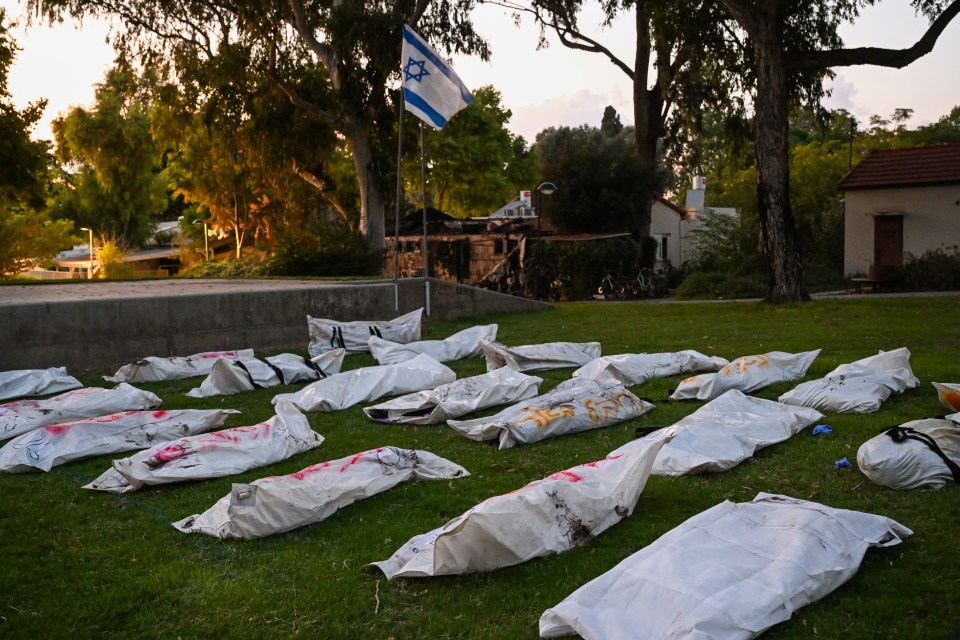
x: 423, y: 191
x: 396, y: 233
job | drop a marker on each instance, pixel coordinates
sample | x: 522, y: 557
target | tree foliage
x: 681, y: 62
x: 792, y: 46
x: 28, y: 234
x: 333, y: 60
x: 113, y: 181
x: 476, y: 164
x: 823, y: 147
x: 600, y: 182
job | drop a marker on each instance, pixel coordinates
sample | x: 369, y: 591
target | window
x: 662, y: 245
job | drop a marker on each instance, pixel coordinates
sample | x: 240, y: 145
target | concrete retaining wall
x: 86, y: 331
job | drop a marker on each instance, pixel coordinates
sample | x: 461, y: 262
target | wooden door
x: 887, y: 245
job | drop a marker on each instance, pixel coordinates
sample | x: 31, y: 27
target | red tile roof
x: 905, y: 167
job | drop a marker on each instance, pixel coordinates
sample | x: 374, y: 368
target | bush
x: 573, y: 270
x: 723, y: 285
x: 245, y: 267
x: 112, y: 266
x: 936, y: 270
x: 336, y: 251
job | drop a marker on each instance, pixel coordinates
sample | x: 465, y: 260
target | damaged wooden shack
x: 488, y: 252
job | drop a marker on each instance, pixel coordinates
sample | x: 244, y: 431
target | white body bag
x: 213, y: 455
x: 921, y: 454
x: 859, y: 387
x: 949, y: 395
x: 457, y: 398
x: 22, y: 416
x: 726, y: 431
x: 277, y: 504
x: 463, y: 344
x: 731, y: 572
x: 157, y: 369
x: 52, y: 445
x: 564, y: 510
x: 228, y: 377
x: 579, y: 404
x: 20, y: 383
x: 366, y: 384
x: 636, y: 368
x: 538, y: 357
x: 327, y: 335
x: 747, y: 374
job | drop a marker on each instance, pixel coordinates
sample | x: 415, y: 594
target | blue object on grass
x: 842, y: 463
x: 821, y: 429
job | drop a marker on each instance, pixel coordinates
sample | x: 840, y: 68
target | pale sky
x: 551, y: 87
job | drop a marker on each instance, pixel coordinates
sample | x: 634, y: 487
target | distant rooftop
x: 905, y: 168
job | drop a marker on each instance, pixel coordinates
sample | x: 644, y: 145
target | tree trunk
x: 372, y: 206
x: 647, y: 118
x: 771, y: 130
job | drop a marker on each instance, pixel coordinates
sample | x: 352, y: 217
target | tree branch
x: 897, y: 58
x: 569, y: 36
x: 292, y: 95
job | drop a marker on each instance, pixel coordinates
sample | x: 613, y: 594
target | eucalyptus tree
x: 792, y: 46
x: 681, y: 60
x: 354, y: 46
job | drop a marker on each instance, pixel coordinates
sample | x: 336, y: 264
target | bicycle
x: 611, y: 287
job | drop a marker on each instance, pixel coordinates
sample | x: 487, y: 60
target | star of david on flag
x: 432, y: 91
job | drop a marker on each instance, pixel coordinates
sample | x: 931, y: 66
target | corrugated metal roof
x: 905, y: 168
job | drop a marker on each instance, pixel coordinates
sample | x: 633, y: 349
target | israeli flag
x: 432, y: 91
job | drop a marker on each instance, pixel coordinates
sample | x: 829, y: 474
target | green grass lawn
x: 84, y: 564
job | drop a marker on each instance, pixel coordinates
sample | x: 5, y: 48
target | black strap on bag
x: 313, y: 365
x: 375, y: 331
x: 336, y: 340
x: 901, y: 434
x: 276, y: 370
x: 249, y: 376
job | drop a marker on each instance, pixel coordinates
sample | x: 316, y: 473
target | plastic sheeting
x: 579, y: 404
x: 229, y: 377
x: 157, y: 369
x: 463, y: 344
x: 747, y: 374
x: 278, y: 504
x: 26, y: 415
x: 457, y: 398
x: 213, y: 455
x: 726, y: 431
x: 948, y: 394
x: 549, y: 516
x: 636, y: 368
x: 326, y: 335
x: 367, y: 384
x: 52, y: 445
x: 903, y: 458
x: 20, y: 383
x: 537, y: 357
x: 731, y: 572
x: 859, y: 387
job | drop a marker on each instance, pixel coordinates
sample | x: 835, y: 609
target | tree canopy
x: 792, y: 46
x: 352, y: 51
x: 113, y: 181
x: 601, y: 183
x: 28, y: 234
x: 476, y: 164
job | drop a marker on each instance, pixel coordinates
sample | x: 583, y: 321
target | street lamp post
x: 206, y: 238
x: 544, y: 188
x: 89, y: 266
